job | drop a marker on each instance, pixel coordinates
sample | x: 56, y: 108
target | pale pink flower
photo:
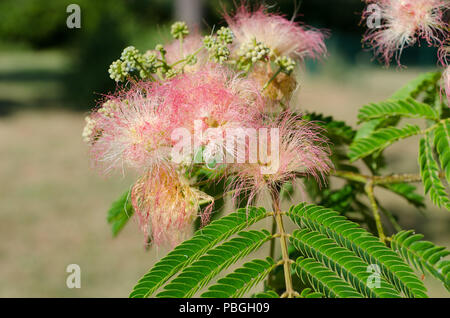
x: 302, y: 152
x: 403, y: 23
x: 132, y: 129
x: 166, y: 205
x: 135, y: 128
x: 281, y: 36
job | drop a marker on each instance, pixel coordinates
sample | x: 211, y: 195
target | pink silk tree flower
x: 131, y: 129
x: 301, y: 151
x: 166, y: 205
x: 281, y: 36
x: 135, y: 128
x: 403, y: 23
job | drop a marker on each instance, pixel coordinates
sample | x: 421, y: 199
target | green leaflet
x: 407, y: 191
x: 199, y: 273
x: 345, y: 263
x: 442, y: 144
x: 266, y: 294
x: 309, y: 293
x: 421, y: 83
x: 242, y: 280
x: 323, y: 280
x: 349, y: 235
x: 379, y: 140
x: 404, y: 108
x: 423, y: 255
x: 429, y: 171
x: 119, y: 213
x: 192, y: 249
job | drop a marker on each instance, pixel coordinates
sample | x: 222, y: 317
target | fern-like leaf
x: 241, y: 280
x: 423, y: 255
x: 351, y: 236
x: 404, y: 108
x: 379, y: 140
x: 197, y: 275
x: 192, y: 249
x: 442, y: 144
x: 342, y: 261
x: 266, y: 294
x: 323, y: 280
x: 422, y: 83
x: 407, y: 191
x: 429, y: 170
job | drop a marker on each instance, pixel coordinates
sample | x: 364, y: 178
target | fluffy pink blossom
x: 302, y: 151
x: 403, y: 23
x: 283, y: 37
x: 131, y: 129
x: 166, y: 205
x: 135, y: 128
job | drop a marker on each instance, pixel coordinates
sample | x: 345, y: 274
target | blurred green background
x: 53, y: 204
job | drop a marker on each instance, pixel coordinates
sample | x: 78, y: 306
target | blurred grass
x: 53, y: 204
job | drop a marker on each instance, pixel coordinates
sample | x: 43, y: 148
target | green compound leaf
x: 345, y: 263
x: 323, y: 279
x: 119, y: 213
x: 429, y: 170
x: 309, y: 293
x: 423, y: 255
x: 236, y: 284
x: 407, y: 191
x: 422, y: 83
x: 405, y: 108
x: 266, y: 294
x: 191, y: 250
x: 379, y: 140
x: 442, y: 144
x: 197, y: 275
x: 351, y: 236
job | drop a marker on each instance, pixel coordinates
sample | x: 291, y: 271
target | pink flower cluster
x: 403, y: 23
x: 134, y: 128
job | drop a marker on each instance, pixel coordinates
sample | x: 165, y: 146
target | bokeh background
x: 53, y: 204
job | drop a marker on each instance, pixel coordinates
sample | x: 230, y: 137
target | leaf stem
x: 275, y: 193
x: 376, y: 214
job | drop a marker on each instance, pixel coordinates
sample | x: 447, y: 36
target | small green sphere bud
x: 179, y: 30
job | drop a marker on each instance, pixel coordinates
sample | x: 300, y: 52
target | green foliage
x: 241, y: 280
x: 407, y: 191
x: 197, y: 275
x: 442, y: 144
x: 423, y: 83
x: 323, y: 279
x: 349, y: 235
x: 429, y: 171
x: 345, y: 263
x: 405, y: 108
x: 380, y: 139
x: 423, y: 255
x: 120, y: 212
x: 191, y: 250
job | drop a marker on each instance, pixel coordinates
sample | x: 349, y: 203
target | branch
x: 376, y: 214
x: 290, y: 293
